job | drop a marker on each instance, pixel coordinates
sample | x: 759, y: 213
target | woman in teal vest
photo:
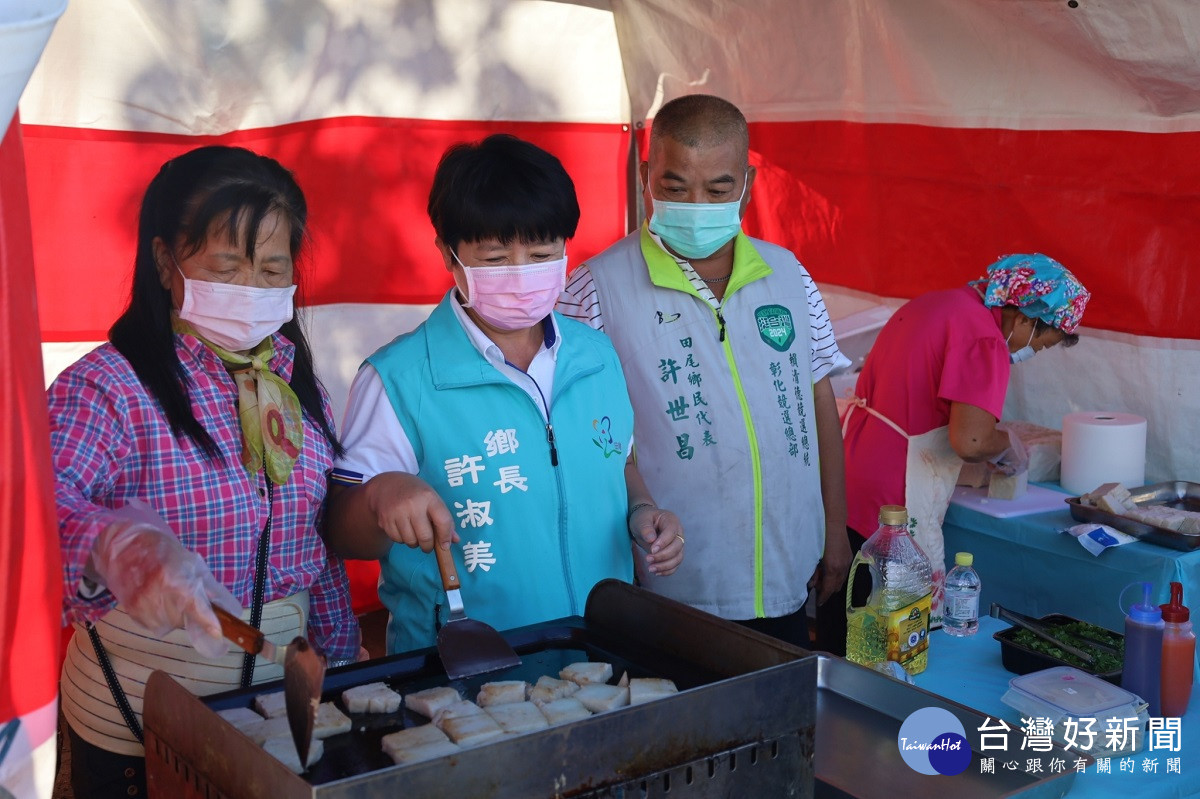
x: 497, y: 424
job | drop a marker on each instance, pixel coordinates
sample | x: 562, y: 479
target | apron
x: 88, y: 703
x: 930, y: 474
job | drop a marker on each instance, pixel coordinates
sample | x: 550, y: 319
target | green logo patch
x: 775, y: 326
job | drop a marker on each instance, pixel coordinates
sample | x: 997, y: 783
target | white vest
x: 725, y: 428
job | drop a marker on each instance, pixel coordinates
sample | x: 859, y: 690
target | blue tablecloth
x: 1027, y: 565
x: 968, y: 671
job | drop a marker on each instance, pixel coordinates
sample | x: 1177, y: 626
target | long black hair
x: 229, y: 186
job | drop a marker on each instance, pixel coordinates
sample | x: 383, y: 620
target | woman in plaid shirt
x: 190, y: 454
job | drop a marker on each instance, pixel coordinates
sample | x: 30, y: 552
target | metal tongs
x: 1034, y: 626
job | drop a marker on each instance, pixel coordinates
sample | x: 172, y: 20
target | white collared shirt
x: 374, y: 439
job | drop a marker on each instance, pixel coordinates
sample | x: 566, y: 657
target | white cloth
x: 931, y: 471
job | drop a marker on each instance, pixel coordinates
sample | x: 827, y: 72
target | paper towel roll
x: 1099, y: 447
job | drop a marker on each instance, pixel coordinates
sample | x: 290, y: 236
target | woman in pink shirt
x: 931, y: 394
x: 190, y: 455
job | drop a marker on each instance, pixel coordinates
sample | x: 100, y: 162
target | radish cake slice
x: 600, y: 697
x: 240, y: 717
x: 504, y: 692
x: 517, y: 717
x: 330, y: 721
x: 283, y: 749
x: 431, y: 700
x: 548, y: 689
x: 561, y: 711
x: 458, y: 710
x: 270, y: 705
x: 646, y: 689
x: 416, y: 754
x: 373, y: 697
x: 472, y: 730
x: 265, y: 729
x: 587, y: 673
x: 412, y: 738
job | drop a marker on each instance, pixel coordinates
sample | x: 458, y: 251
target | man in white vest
x: 726, y: 347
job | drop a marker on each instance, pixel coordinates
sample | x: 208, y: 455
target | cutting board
x: 1036, y: 500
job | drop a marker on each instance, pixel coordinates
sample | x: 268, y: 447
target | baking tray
x: 1020, y: 659
x: 859, y: 713
x: 1174, y: 493
x: 741, y: 725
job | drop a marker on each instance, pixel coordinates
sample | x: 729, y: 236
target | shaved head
x: 701, y: 120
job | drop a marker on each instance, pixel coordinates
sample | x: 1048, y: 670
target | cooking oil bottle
x: 894, y: 622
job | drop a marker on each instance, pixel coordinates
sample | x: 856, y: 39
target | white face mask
x: 233, y: 317
x: 1026, y: 352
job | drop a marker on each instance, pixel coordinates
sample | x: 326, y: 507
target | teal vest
x: 536, y: 536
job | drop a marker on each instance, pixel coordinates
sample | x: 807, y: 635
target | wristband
x: 635, y: 509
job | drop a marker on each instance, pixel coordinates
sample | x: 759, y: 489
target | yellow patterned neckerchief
x: 269, y: 412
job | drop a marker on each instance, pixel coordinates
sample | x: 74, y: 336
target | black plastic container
x: 1020, y: 659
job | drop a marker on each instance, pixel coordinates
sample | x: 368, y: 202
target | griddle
x: 741, y: 725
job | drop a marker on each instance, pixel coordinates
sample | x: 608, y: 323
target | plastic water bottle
x: 1178, y: 655
x: 894, y: 623
x: 1143, y: 650
x: 961, y: 617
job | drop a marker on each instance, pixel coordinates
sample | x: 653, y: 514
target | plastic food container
x: 1076, y: 702
x: 1020, y: 659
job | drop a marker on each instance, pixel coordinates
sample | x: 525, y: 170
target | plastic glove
x: 1014, y: 459
x: 158, y: 582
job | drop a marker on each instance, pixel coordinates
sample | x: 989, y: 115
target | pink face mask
x: 513, y: 297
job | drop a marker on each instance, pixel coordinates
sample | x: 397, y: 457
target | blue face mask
x: 696, y: 230
x: 1026, y: 352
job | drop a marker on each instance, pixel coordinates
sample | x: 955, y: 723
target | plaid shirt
x: 111, y: 443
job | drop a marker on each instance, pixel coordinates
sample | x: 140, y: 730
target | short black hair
x: 701, y: 120
x: 503, y: 188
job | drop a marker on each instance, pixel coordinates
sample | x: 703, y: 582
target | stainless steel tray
x: 742, y: 723
x: 859, y: 713
x: 1174, y: 493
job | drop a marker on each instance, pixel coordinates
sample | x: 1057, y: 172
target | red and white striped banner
x: 359, y: 99
x: 902, y: 146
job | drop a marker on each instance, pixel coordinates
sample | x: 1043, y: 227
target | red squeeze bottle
x: 1178, y: 655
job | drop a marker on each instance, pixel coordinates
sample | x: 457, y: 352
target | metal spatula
x: 303, y: 675
x: 467, y: 647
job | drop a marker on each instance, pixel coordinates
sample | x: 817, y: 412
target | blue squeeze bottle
x: 1143, y: 650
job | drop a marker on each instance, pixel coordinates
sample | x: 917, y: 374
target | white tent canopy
x: 901, y: 146
x: 999, y: 105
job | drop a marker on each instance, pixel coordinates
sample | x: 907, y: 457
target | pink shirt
x: 939, y: 348
x: 111, y: 443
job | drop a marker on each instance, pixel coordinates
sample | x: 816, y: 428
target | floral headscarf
x: 1039, y: 286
